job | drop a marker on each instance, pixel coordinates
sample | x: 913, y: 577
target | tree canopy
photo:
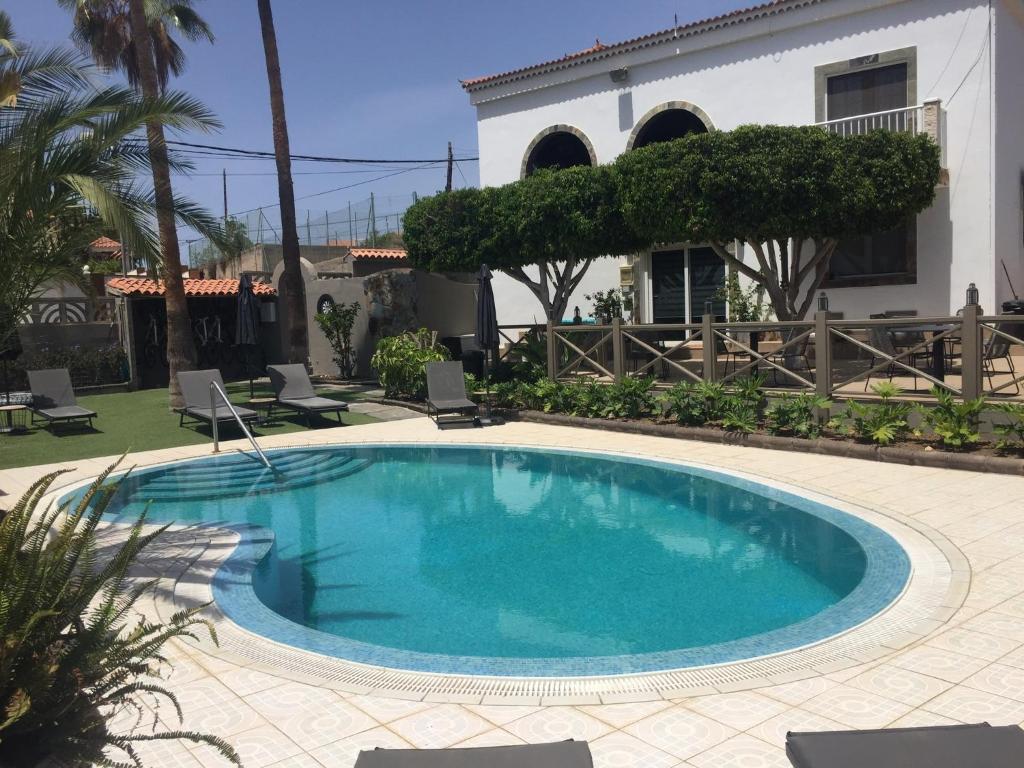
x: 559, y: 221
x: 777, y: 188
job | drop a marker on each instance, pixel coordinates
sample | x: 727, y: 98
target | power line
x: 339, y: 189
x: 209, y: 148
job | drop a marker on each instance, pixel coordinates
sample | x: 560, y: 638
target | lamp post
x: 973, y: 295
x: 823, y: 302
x: 709, y: 308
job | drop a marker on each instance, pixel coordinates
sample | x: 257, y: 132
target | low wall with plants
x: 88, y: 366
x: 746, y: 409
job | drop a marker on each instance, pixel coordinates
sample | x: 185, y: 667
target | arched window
x: 560, y: 146
x: 669, y: 121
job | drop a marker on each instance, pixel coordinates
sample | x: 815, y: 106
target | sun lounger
x: 53, y: 398
x: 294, y: 391
x: 446, y: 395
x: 195, y: 388
x: 952, y: 746
x: 563, y: 754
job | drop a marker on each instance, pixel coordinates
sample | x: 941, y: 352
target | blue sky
x: 371, y: 79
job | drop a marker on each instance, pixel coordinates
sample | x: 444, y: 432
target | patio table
x: 938, y: 344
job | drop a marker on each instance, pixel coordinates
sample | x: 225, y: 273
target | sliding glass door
x: 682, y: 280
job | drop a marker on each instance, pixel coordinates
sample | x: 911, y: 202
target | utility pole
x: 451, y: 160
x: 224, y: 176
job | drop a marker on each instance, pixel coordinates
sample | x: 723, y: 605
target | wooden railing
x: 969, y: 355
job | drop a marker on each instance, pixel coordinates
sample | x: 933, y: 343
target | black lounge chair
x: 446, y: 395
x: 294, y: 391
x: 949, y: 746
x: 563, y: 754
x: 195, y: 388
x: 53, y: 398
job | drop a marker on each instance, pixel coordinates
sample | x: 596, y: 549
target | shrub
x: 336, y: 324
x: 955, y: 424
x: 881, y: 423
x: 797, y: 415
x: 631, y: 398
x: 686, y: 403
x: 400, y: 362
x: 68, y: 654
x: 87, y: 366
x: 1011, y: 432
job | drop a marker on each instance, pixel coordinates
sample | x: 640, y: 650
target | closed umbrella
x: 486, y: 334
x: 10, y: 345
x: 247, y: 324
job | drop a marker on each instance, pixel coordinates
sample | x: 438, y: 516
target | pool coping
x: 938, y: 583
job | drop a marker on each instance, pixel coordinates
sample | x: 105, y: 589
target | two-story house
x: 952, y: 68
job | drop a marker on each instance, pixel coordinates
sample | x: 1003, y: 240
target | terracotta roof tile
x: 140, y: 286
x: 600, y: 50
x: 378, y: 253
x: 105, y: 242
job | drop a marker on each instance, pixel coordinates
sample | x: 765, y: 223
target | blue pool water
x: 510, y: 561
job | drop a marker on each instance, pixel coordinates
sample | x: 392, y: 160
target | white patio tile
x: 680, y: 732
x: 945, y: 665
x: 743, y: 751
x: 977, y: 645
x: 969, y: 705
x: 901, y: 685
x: 500, y: 714
x: 620, y: 750
x: 856, y: 708
x: 621, y: 715
x: 440, y: 726
x: 385, y: 710
x: 774, y: 731
x: 741, y: 711
x: 558, y: 724
x: 496, y: 737
x: 310, y: 716
x: 343, y: 752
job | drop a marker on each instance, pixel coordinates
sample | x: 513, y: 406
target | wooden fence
x: 970, y: 355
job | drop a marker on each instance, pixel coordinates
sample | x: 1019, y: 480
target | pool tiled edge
x: 938, y: 584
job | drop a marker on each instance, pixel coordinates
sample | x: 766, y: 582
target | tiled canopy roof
x: 103, y: 243
x: 600, y: 50
x: 137, y: 286
x: 378, y: 253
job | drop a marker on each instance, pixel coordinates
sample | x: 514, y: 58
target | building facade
x: 951, y: 68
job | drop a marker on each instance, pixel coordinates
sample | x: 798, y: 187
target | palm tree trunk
x: 292, y: 283
x: 181, y: 351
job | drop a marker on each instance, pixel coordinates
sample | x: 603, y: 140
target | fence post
x: 552, y: 352
x: 709, y: 371
x: 618, y: 358
x: 822, y: 355
x: 970, y: 349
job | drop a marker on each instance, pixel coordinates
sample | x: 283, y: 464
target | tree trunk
x: 554, y: 288
x: 181, y: 351
x: 294, y: 290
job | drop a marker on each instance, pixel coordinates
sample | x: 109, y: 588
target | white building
x: 794, y: 62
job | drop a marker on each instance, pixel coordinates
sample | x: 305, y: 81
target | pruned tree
x: 791, y: 194
x: 543, y: 231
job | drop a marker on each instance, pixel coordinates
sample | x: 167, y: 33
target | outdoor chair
x: 563, y: 754
x: 446, y: 395
x: 948, y: 746
x: 294, y: 391
x: 195, y: 389
x: 998, y: 348
x: 53, y: 398
x: 785, y: 356
x: 881, y: 339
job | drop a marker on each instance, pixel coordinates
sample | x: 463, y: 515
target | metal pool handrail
x: 214, y: 391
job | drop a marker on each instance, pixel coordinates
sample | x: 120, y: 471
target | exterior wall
x: 1008, y: 195
x: 763, y: 72
x: 392, y: 301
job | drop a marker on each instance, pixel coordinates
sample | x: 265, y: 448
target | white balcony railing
x: 924, y: 118
x: 905, y: 120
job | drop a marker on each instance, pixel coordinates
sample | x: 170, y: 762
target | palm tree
x: 134, y: 36
x: 69, y: 153
x: 292, y: 284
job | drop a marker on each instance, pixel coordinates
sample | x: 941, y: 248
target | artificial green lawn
x: 142, y: 421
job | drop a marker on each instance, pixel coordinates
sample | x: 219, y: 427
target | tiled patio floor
x: 967, y: 669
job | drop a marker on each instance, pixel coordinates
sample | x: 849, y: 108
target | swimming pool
x: 512, y: 561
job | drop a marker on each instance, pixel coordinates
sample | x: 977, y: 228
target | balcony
x: 924, y: 118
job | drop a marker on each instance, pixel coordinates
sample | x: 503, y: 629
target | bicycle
x: 154, y: 352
